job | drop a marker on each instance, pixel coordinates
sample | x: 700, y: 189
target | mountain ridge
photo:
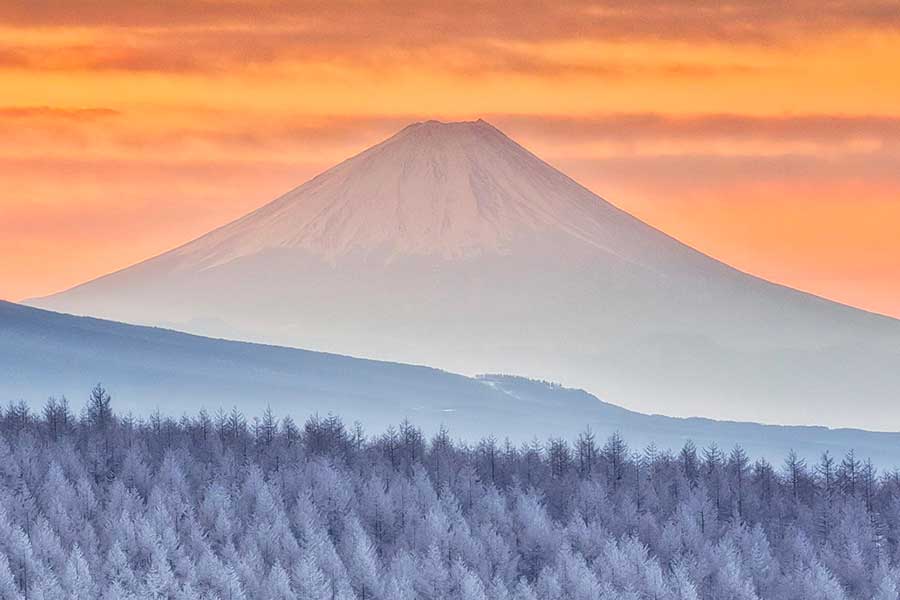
x: 43, y: 353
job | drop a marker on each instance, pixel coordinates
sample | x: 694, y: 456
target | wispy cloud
x: 405, y: 21
x: 44, y: 113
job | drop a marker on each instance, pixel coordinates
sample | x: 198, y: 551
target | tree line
x: 219, y: 506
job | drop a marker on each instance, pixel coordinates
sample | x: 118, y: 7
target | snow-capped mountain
x: 451, y: 245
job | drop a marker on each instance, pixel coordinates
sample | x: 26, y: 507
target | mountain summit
x: 451, y: 245
x: 448, y: 190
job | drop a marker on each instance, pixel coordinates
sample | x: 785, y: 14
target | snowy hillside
x: 451, y: 245
x: 46, y: 354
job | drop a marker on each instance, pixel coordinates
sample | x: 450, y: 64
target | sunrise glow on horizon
x: 767, y: 136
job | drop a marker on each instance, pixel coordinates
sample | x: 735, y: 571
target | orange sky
x: 763, y: 134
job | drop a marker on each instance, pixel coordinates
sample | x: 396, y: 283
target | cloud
x: 46, y: 113
x: 405, y: 22
x: 469, y: 38
x: 649, y: 125
x: 225, y: 52
x: 706, y: 170
x: 466, y: 35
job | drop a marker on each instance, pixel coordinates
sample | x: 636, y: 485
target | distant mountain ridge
x: 451, y: 245
x: 44, y: 353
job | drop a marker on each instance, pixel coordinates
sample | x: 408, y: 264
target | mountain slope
x: 44, y: 353
x: 449, y: 244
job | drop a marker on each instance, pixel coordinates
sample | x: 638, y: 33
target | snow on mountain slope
x: 44, y: 353
x: 453, y: 190
x: 451, y: 245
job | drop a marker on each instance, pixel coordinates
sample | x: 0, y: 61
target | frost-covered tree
x: 212, y: 508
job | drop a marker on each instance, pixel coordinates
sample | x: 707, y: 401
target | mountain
x: 44, y: 353
x: 451, y: 245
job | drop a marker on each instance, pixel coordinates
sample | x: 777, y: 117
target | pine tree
x: 849, y: 473
x: 361, y: 561
x: 76, y: 578
x: 738, y: 466
x: 795, y: 467
x: 308, y: 580
x: 887, y: 589
x: 586, y: 449
x: 614, y: 453
x: 470, y: 587
x: 826, y: 474
x: 683, y: 586
x: 688, y: 461
x: 278, y: 584
x: 268, y: 428
x: 432, y: 581
x: 400, y: 581
x: 117, y: 570
x: 9, y: 590
x: 99, y: 410
x: 159, y: 581
x: 523, y: 591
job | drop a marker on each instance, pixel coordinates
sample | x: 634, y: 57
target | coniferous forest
x: 99, y: 505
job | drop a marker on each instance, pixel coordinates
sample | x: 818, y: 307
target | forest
x: 220, y: 506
